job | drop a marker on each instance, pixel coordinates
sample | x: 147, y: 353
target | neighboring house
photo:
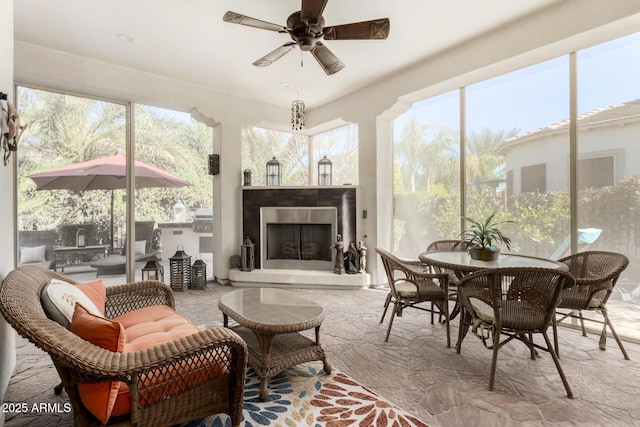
x: 608, y: 151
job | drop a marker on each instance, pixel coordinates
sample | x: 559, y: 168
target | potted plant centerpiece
x: 482, y: 236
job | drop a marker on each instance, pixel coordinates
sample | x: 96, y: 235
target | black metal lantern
x: 199, y: 274
x: 325, y: 171
x: 153, y: 270
x: 273, y: 172
x: 247, y: 255
x: 180, y: 270
x: 247, y: 177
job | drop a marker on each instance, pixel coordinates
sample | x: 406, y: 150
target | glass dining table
x: 462, y: 264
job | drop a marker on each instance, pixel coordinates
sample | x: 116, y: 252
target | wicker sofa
x: 169, y: 383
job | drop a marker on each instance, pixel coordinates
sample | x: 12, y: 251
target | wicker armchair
x: 412, y: 285
x: 596, y: 274
x: 514, y: 302
x: 185, y: 394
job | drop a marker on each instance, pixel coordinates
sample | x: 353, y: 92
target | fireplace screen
x: 303, y: 242
x: 297, y: 237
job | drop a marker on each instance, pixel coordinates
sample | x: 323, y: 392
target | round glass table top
x: 462, y: 261
x: 270, y: 306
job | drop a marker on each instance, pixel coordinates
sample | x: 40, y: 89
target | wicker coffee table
x: 270, y: 320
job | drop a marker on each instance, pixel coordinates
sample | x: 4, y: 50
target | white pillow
x: 32, y: 254
x: 61, y: 299
x: 141, y: 247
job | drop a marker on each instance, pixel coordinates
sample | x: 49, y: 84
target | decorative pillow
x: 141, y: 247
x: 32, y: 254
x: 98, y: 398
x: 59, y: 298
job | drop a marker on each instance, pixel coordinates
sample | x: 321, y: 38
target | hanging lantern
x: 247, y: 255
x: 199, y: 274
x: 153, y: 270
x: 325, y: 171
x: 273, y: 172
x: 180, y: 270
x: 297, y: 114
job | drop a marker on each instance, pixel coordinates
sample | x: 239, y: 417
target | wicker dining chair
x: 449, y: 246
x: 411, y: 285
x: 596, y: 274
x: 512, y: 302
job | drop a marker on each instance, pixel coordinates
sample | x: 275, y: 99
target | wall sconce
x: 214, y: 164
x: 273, y: 172
x: 325, y: 171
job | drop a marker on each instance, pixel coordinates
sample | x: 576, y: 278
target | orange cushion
x: 150, y: 326
x: 153, y: 325
x: 98, y: 398
x: 96, y: 292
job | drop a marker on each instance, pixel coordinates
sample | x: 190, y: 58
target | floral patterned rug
x: 305, y: 396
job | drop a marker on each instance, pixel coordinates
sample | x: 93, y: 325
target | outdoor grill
x: 203, y: 220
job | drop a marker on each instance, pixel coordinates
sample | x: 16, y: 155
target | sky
x: 537, y: 96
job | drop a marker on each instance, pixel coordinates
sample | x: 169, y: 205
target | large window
x: 426, y: 174
x: 72, y: 185
x: 519, y: 162
x: 298, y: 155
x: 608, y: 172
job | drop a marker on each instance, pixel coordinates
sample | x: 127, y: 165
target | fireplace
x: 297, y: 238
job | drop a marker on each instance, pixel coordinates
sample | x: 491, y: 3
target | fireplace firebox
x: 297, y: 237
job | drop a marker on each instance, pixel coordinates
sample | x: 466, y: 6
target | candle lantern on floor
x: 273, y: 172
x: 180, y: 270
x: 199, y: 274
x: 325, y: 171
x: 153, y: 270
x: 247, y: 255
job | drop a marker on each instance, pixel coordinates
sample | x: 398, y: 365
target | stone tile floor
x: 416, y: 370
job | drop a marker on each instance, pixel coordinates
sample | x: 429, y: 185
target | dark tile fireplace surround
x: 254, y: 198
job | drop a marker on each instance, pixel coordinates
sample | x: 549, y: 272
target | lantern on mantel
x: 325, y: 171
x: 153, y: 270
x: 199, y: 274
x: 180, y: 270
x: 273, y: 172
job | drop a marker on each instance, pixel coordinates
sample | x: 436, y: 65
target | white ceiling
x: 187, y: 39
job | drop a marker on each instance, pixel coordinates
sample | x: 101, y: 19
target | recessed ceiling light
x: 124, y: 37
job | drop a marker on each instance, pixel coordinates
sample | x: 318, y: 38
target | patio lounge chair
x: 147, y: 237
x: 176, y: 378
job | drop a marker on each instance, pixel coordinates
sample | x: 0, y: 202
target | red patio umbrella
x: 105, y: 173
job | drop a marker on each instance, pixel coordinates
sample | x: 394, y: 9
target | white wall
x: 7, y: 334
x: 570, y: 25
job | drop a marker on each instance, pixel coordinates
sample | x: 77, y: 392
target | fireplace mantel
x: 343, y: 198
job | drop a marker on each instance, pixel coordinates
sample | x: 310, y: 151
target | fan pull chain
x: 301, y: 58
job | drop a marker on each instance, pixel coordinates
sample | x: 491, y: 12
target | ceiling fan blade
x: 366, y: 30
x: 312, y: 9
x: 236, y: 18
x: 271, y: 57
x: 329, y: 62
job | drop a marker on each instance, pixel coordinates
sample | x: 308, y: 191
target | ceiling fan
x: 306, y: 28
